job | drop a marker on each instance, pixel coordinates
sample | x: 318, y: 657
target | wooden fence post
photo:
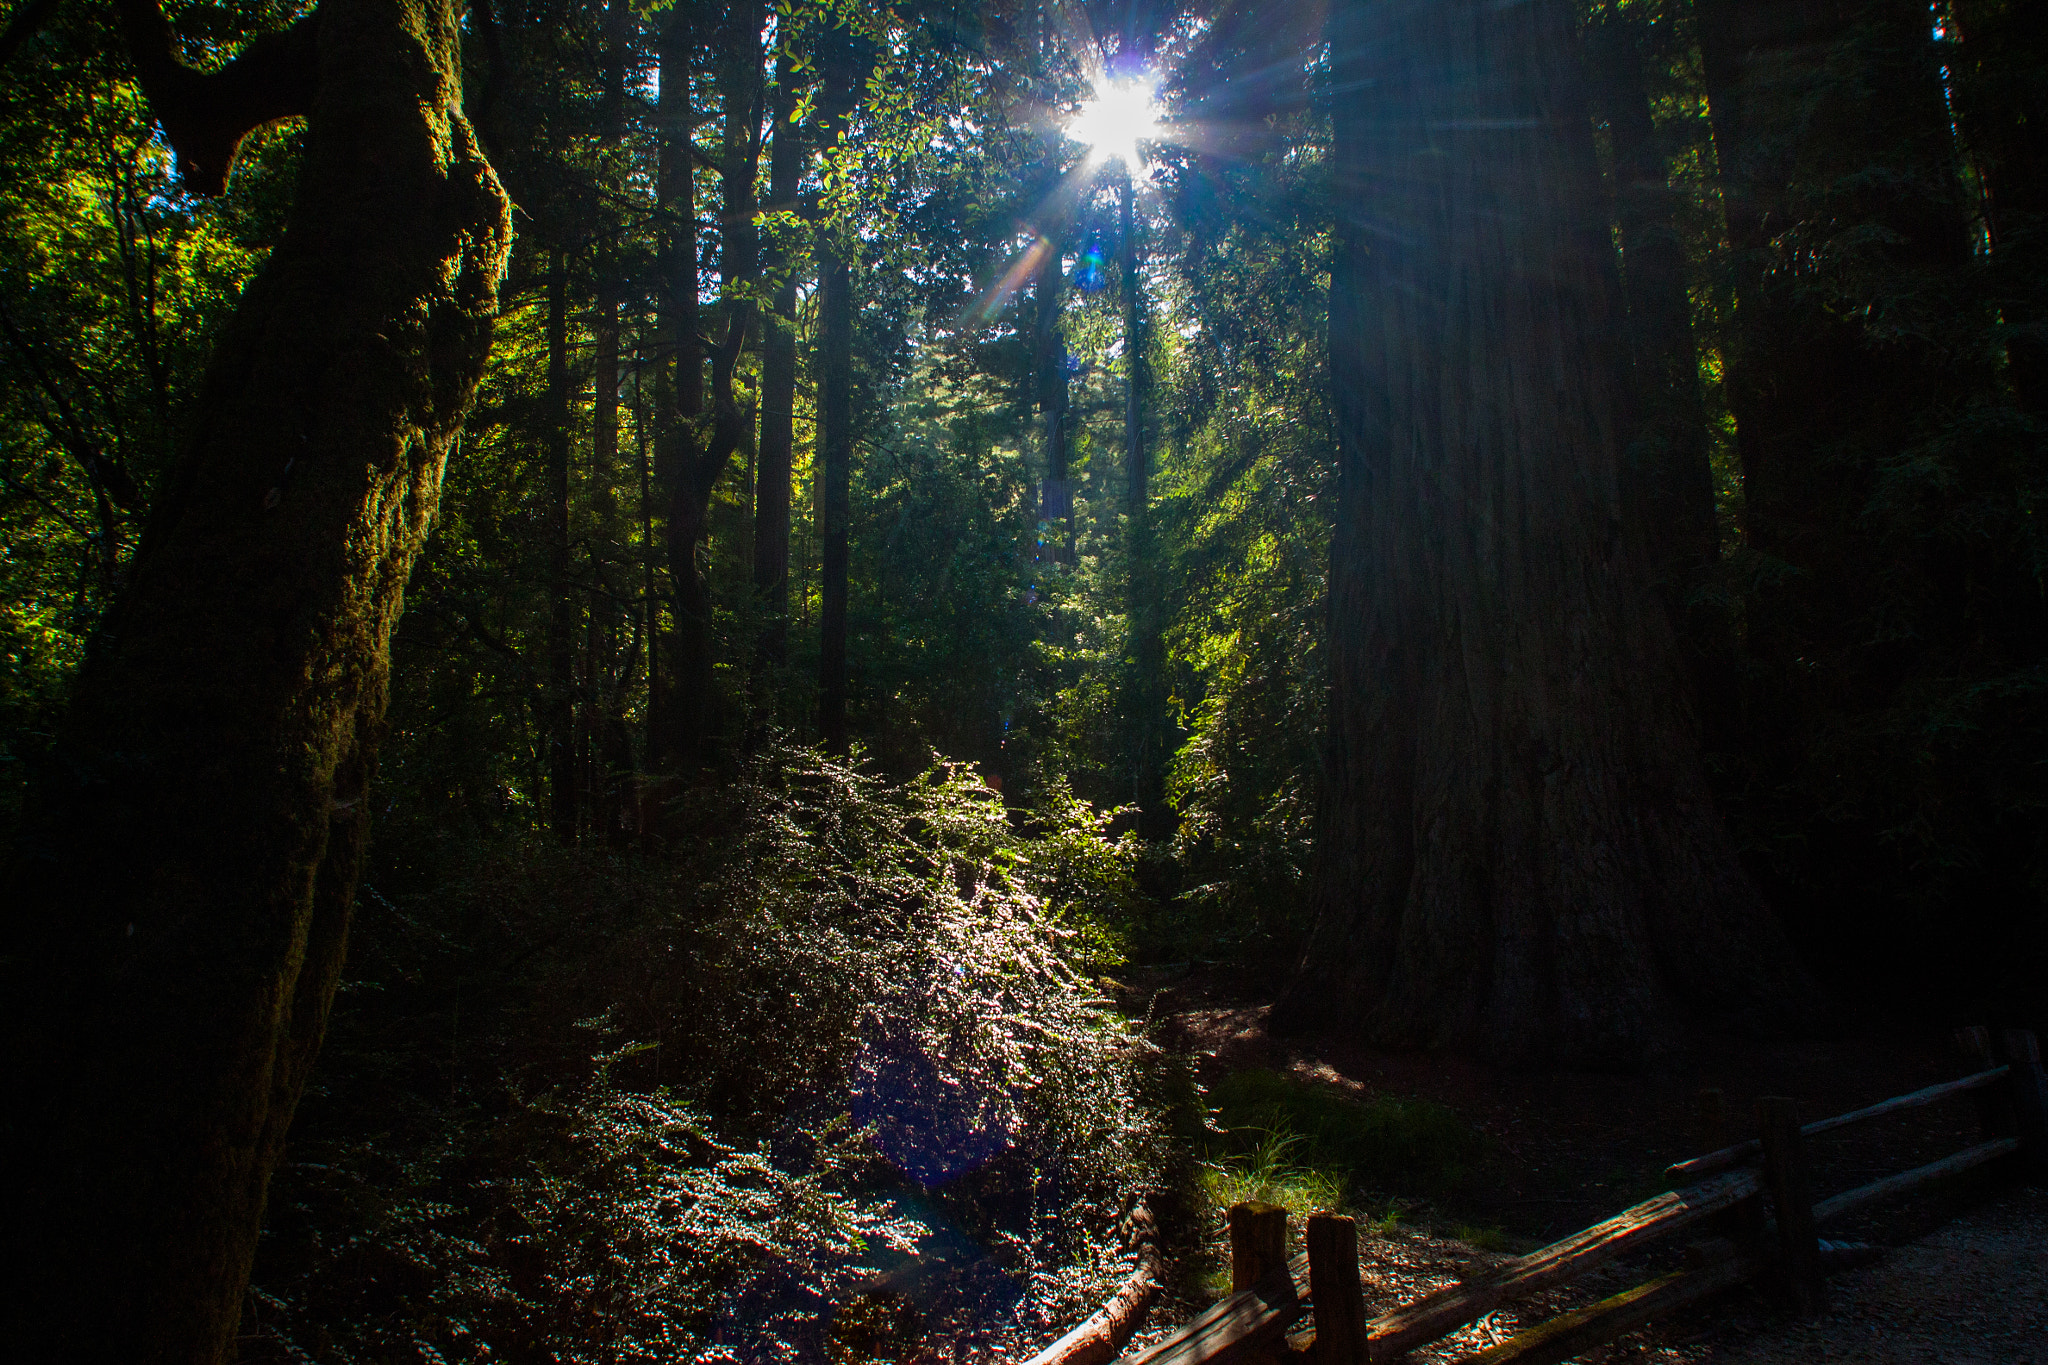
x: 1710, y: 1115
x: 1258, y: 1243
x: 1994, y: 1103
x: 2029, y: 1092
x: 1791, y: 1186
x: 1334, y: 1290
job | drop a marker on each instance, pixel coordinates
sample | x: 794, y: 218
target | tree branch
x: 26, y: 23
x: 206, y: 114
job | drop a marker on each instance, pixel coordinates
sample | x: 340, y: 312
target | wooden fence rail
x: 1727, y: 1189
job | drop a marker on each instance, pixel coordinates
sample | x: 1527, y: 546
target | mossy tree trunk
x: 1516, y: 853
x: 178, y: 913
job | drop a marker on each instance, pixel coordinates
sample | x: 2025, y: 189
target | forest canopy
x: 694, y: 581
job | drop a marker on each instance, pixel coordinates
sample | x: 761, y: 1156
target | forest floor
x: 1963, y: 1280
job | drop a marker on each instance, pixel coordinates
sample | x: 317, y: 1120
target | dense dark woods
x: 625, y: 623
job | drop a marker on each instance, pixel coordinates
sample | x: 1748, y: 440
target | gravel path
x: 1974, y: 1292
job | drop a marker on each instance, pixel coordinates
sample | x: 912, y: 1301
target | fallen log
x: 1239, y: 1328
x: 1097, y: 1339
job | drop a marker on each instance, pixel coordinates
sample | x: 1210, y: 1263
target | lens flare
x: 1120, y: 115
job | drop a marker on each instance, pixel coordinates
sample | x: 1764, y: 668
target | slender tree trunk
x: 1516, y: 853
x: 1056, y: 497
x: 563, y: 627
x: 611, y: 791
x: 778, y: 392
x: 177, y: 917
x: 679, y: 365
x: 1146, y: 649
x: 2001, y: 104
x: 1840, y: 185
x: 1667, y: 474
x: 840, y: 65
x: 702, y: 454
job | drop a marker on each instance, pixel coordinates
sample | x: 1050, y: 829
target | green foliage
x: 1312, y: 1138
x: 114, y: 282
x: 602, y: 1108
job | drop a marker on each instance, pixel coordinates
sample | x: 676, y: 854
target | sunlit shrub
x: 831, y: 1067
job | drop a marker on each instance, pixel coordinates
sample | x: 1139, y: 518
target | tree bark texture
x: 177, y: 916
x: 1516, y: 853
x: 778, y: 386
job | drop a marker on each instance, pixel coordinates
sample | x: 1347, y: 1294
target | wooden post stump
x: 1334, y: 1290
x: 1710, y: 1117
x: 1791, y: 1186
x: 1258, y: 1243
x: 1994, y: 1103
x: 2029, y: 1091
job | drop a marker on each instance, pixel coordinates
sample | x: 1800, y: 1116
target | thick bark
x: 778, y: 389
x: 563, y: 626
x: 1516, y: 852
x: 840, y: 64
x: 178, y: 914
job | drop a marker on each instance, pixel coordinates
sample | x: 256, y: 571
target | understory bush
x: 827, y: 1082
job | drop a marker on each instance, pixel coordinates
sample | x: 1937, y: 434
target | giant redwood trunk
x: 1516, y: 853
x: 177, y: 917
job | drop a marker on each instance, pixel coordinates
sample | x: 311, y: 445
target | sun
x: 1116, y: 118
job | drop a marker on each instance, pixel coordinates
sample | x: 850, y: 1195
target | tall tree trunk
x: 178, y: 915
x: 1668, y: 478
x: 612, y: 790
x: 840, y: 64
x: 1516, y: 853
x: 1843, y: 210
x: 679, y: 367
x: 778, y: 390
x: 702, y: 455
x: 1147, y: 651
x: 563, y: 626
x: 1056, y: 496
x: 2001, y: 105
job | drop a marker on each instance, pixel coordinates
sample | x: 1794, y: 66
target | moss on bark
x: 180, y: 910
